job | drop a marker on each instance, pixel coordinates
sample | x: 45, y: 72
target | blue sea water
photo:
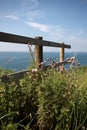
x: 21, y: 60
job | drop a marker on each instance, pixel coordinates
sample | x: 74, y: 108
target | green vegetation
x: 45, y: 101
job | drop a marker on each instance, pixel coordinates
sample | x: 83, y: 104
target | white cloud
x: 31, y: 4
x: 30, y: 9
x: 53, y: 30
x: 41, y: 27
x: 57, y: 32
x: 12, y: 17
x: 77, y: 43
x: 34, y: 14
x: 77, y: 40
x: 12, y: 47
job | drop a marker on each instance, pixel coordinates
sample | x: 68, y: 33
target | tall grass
x: 45, y: 101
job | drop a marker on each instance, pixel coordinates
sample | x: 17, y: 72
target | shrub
x: 45, y: 101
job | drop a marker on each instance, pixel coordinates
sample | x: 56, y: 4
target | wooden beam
x: 15, y: 76
x: 20, y: 74
x: 6, y: 37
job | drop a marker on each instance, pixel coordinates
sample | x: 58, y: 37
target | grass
x: 45, y: 101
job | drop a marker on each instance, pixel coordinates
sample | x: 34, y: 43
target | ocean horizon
x: 18, y: 61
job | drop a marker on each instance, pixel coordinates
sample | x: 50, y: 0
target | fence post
x: 38, y: 52
x: 62, y: 54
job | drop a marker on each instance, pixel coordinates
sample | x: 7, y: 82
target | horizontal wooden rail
x: 20, y: 74
x: 6, y: 37
x: 15, y: 76
x: 63, y: 63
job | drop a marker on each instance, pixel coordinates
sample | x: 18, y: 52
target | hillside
x: 45, y: 101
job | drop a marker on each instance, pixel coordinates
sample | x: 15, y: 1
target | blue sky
x: 54, y: 20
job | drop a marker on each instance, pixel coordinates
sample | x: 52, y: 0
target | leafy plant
x: 45, y: 100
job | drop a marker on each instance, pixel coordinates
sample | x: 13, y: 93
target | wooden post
x: 61, y: 54
x: 38, y: 52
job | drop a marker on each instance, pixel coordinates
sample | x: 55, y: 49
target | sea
x: 19, y: 61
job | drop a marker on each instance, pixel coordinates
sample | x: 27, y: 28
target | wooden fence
x: 37, y: 41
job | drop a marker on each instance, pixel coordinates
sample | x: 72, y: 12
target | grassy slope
x: 45, y: 101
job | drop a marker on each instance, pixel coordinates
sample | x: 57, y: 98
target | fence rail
x: 6, y: 37
x: 20, y: 74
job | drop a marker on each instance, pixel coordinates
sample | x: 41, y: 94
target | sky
x: 54, y: 20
